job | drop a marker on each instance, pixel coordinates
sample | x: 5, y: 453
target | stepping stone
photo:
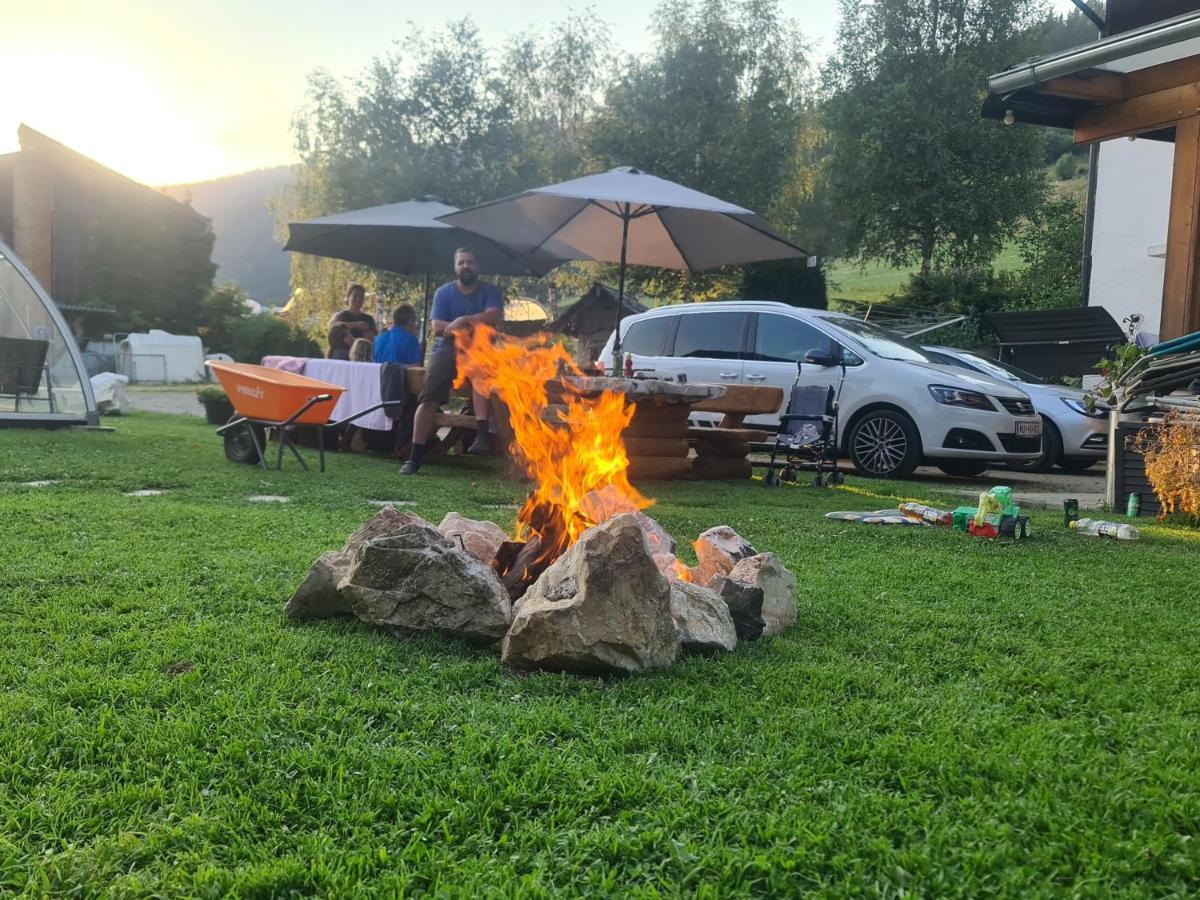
x: 500, y: 506
x: 268, y: 498
x: 145, y: 493
x: 38, y: 483
x: 392, y: 502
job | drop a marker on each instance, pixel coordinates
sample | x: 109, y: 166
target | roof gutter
x: 1141, y: 40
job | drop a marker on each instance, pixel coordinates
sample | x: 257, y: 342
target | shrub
x: 266, y: 335
x: 1172, y: 455
x: 211, y: 393
x: 1066, y: 167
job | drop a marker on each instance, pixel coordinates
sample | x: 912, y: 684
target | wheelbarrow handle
x: 386, y: 404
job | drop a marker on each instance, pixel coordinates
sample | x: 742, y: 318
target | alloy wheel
x: 880, y: 445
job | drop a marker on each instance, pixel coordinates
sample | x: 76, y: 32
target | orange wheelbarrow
x: 266, y: 399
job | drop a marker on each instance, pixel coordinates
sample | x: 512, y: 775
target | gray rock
x: 778, y: 585
x: 745, y: 603
x: 479, y: 538
x: 415, y: 580
x: 602, y: 606
x: 317, y: 596
x: 718, y: 550
x: 702, y: 617
x: 388, y: 520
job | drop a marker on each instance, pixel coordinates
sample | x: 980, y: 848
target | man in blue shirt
x: 398, y: 344
x: 457, y: 305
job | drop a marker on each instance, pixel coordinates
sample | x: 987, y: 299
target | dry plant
x: 1172, y: 455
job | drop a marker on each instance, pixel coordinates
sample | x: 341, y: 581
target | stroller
x: 808, y: 429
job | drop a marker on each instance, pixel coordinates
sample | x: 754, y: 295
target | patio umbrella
x: 406, y: 238
x: 628, y: 217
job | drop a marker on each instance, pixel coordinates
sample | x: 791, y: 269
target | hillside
x: 246, y: 249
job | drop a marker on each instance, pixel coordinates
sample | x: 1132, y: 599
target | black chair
x: 22, y: 362
x: 807, y: 432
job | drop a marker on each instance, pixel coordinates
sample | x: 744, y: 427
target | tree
x: 1051, y: 247
x: 918, y: 175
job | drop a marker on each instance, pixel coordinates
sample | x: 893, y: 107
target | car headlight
x: 1096, y: 412
x: 952, y: 396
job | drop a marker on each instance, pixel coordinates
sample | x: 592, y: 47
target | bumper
x: 955, y: 433
x: 1083, y: 436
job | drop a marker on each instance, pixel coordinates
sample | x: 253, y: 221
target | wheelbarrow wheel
x: 239, y: 444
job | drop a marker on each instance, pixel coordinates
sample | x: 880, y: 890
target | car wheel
x: 884, y: 444
x: 1051, y: 451
x: 1076, y: 463
x: 963, y: 467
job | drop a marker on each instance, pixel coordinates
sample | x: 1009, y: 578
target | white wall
x: 1133, y: 198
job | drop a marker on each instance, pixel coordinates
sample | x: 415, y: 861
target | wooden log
x: 713, y: 468
x: 648, y: 410
x: 746, y: 399
x: 722, y: 450
x: 664, y: 467
x: 729, y: 435
x: 656, y: 429
x: 648, y: 446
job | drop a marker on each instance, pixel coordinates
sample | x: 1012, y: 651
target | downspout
x: 1089, y: 223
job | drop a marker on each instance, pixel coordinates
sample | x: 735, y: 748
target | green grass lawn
x: 951, y: 717
x: 876, y: 281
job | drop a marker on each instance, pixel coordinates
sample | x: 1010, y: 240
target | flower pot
x: 218, y: 412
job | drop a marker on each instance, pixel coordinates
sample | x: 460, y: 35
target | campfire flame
x: 574, y: 455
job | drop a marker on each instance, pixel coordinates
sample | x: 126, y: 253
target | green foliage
x: 254, y: 337
x: 1051, y: 247
x: 168, y: 733
x: 212, y: 393
x: 220, y: 313
x: 916, y: 173
x: 1065, y: 168
x: 1112, y: 367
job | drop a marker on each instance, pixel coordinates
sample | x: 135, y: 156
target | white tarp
x: 159, y: 356
x: 109, y: 390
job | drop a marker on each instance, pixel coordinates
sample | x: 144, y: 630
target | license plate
x: 1029, y: 429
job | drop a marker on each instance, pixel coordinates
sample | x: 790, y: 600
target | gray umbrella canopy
x: 628, y: 217
x: 405, y: 238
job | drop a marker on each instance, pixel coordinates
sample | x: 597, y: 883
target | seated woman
x: 340, y: 341
x: 360, y: 350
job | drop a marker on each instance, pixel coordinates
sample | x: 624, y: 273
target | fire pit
x: 588, y: 582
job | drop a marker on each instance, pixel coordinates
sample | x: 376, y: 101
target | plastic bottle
x: 1100, y: 528
x: 930, y: 514
x: 628, y: 365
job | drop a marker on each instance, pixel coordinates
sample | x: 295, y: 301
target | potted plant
x: 217, y: 408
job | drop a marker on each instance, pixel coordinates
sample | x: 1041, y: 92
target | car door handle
x: 729, y: 374
x: 756, y: 377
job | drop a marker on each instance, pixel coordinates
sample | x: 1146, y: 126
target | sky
x: 189, y: 90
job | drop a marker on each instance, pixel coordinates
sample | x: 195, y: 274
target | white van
x: 898, y: 408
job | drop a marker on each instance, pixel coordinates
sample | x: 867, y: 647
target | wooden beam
x: 1104, y: 87
x: 1181, y: 278
x: 1113, y: 87
x: 1161, y: 77
x: 1138, y: 115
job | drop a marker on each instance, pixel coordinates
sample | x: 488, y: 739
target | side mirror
x: 822, y: 358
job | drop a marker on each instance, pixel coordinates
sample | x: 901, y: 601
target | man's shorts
x: 439, y: 377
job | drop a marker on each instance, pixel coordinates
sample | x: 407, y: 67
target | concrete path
x: 165, y: 399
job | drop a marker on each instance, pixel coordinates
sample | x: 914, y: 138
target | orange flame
x: 570, y: 453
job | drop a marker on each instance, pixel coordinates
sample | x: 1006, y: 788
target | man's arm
x: 490, y: 316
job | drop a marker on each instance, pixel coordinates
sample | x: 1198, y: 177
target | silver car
x: 1073, y: 437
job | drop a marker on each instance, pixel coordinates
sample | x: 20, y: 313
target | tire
x: 1076, y: 463
x: 964, y: 468
x: 1051, y: 451
x: 884, y: 443
x: 239, y: 445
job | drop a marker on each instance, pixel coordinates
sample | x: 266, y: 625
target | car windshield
x: 995, y: 368
x: 878, y: 341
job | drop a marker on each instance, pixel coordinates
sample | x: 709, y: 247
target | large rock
x: 778, y: 585
x: 388, y: 520
x: 745, y: 603
x: 718, y: 550
x: 702, y: 617
x: 415, y: 580
x: 602, y: 606
x: 479, y: 538
x: 317, y: 596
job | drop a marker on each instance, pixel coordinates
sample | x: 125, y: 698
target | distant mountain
x: 246, y: 249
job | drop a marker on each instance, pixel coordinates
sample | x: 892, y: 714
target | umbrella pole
x: 425, y: 317
x: 617, y: 370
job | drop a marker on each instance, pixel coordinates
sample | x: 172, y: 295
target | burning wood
x: 572, y: 456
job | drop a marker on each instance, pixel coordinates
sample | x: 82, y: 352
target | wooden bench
x: 724, y: 451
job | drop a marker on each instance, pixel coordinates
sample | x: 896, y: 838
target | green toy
x: 996, y: 515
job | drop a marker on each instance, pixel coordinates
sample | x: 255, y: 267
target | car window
x: 878, y: 341
x: 648, y: 337
x: 784, y: 339
x: 711, y: 335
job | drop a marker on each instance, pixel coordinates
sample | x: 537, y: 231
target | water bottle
x: 1099, y: 528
